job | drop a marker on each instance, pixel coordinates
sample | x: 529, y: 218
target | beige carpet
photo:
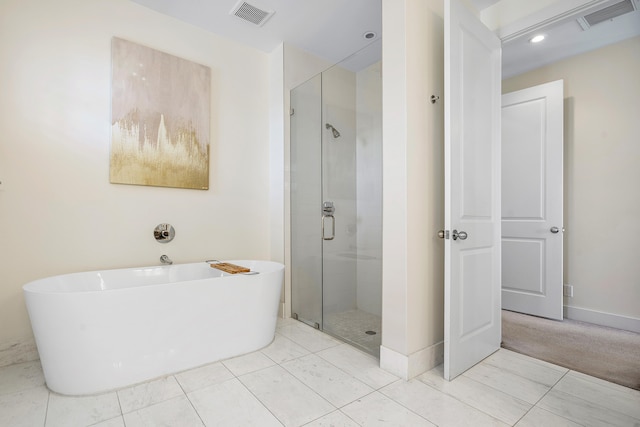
x: 606, y: 353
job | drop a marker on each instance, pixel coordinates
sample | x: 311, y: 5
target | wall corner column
x: 413, y: 194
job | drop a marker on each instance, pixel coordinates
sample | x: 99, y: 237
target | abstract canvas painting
x: 160, y: 115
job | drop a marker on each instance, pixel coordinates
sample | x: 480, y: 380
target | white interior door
x: 532, y: 140
x: 472, y: 190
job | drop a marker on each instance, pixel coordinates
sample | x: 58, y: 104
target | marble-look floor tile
x: 335, y: 385
x: 292, y: 402
x: 308, y: 378
x: 489, y: 400
x: 362, y: 366
x: 609, y: 395
x: 283, y: 349
x: 149, y: 393
x: 508, y: 382
x: 376, y: 409
x: 307, y: 337
x: 584, y: 412
x: 229, y: 403
x: 285, y: 322
x: 113, y: 422
x: 248, y: 363
x: 606, y: 384
x: 20, y: 377
x: 527, y: 367
x: 203, y: 376
x: 537, y: 417
x: 174, y: 412
x: 334, y: 419
x: 67, y: 411
x: 25, y: 408
x: 438, y: 407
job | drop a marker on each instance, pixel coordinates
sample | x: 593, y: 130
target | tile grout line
x: 315, y: 353
x: 403, y: 405
x: 535, y: 405
x: 46, y: 412
x: 256, y: 397
x: 465, y: 403
x: 512, y: 372
x: 120, y: 406
x: 190, y: 402
x: 374, y: 389
x: 587, y: 402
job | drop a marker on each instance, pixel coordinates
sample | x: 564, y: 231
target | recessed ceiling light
x: 537, y: 39
x: 369, y: 35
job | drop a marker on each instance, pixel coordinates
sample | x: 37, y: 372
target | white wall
x: 602, y: 177
x: 59, y: 212
x: 276, y: 154
x: 413, y: 205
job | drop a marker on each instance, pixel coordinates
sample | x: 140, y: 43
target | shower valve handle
x: 328, y: 208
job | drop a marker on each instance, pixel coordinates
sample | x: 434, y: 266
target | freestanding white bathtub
x: 102, y: 330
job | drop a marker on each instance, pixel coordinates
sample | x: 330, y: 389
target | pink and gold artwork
x: 160, y: 115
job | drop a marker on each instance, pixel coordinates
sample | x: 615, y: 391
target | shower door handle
x: 333, y: 227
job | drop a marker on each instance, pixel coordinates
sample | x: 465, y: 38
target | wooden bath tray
x: 230, y: 268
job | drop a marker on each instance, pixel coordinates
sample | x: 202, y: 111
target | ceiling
x: 334, y: 29
x: 330, y: 29
x: 565, y: 38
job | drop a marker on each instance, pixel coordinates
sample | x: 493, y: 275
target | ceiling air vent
x: 606, y: 14
x: 251, y: 13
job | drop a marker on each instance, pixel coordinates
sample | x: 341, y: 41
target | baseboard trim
x: 18, y: 352
x: 410, y: 366
x: 603, y: 319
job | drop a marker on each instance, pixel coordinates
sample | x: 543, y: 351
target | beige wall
x: 413, y: 264
x: 602, y: 179
x: 59, y: 212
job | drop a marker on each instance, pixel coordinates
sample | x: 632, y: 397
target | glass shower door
x: 336, y: 203
x: 323, y: 202
x: 306, y: 200
x: 339, y: 254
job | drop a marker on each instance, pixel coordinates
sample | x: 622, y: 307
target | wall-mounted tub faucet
x: 166, y: 260
x: 164, y: 233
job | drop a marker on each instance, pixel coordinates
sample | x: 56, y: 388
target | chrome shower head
x: 334, y: 131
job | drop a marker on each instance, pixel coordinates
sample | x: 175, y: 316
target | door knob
x: 462, y: 235
x: 441, y: 234
x: 554, y: 230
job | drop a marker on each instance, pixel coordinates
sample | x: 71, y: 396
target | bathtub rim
x: 47, y: 284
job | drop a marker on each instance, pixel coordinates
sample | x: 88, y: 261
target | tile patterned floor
x: 352, y: 326
x: 308, y: 378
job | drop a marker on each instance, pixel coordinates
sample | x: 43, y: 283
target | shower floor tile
x: 357, y: 327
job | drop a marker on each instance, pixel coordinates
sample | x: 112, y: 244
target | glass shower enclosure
x: 336, y: 200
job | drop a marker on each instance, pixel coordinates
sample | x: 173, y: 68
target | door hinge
x: 292, y: 111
